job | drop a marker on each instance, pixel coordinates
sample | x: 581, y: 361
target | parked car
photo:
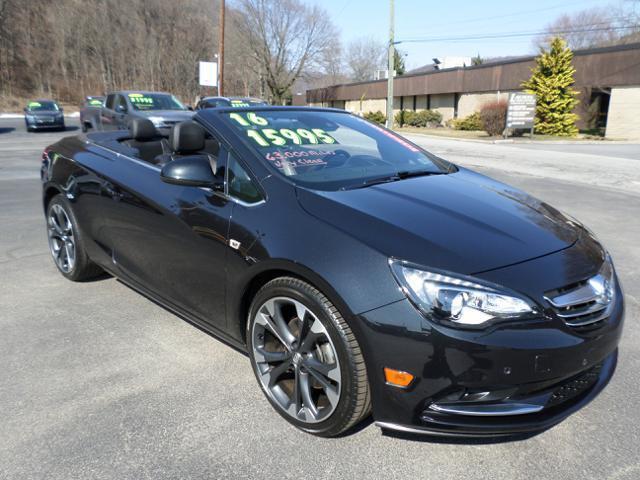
x: 237, y: 102
x: 359, y: 272
x: 163, y: 109
x: 43, y: 115
x: 89, y: 110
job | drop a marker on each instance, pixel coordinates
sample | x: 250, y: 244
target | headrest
x: 186, y: 137
x: 142, y: 129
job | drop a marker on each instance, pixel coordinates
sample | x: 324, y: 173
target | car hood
x: 172, y: 115
x: 461, y: 222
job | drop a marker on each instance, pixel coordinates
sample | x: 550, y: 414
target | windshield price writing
x: 268, y: 137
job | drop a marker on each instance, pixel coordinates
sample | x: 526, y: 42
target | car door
x: 121, y: 109
x: 170, y: 239
x: 107, y: 113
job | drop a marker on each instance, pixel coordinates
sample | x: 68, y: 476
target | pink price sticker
x: 396, y: 138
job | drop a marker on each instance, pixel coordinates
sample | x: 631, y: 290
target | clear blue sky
x: 416, y: 18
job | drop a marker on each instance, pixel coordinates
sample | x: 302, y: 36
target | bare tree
x: 363, y: 57
x: 287, y: 38
x: 594, y: 27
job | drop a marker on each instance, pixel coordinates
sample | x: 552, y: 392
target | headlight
x: 31, y: 118
x: 157, y: 121
x: 457, y: 301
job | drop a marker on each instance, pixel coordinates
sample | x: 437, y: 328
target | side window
x: 239, y: 183
x: 121, y: 104
x: 109, y: 102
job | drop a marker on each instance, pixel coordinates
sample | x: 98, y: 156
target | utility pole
x: 221, y: 50
x: 391, y: 54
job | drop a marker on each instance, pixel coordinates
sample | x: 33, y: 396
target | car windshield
x: 155, y: 101
x: 94, y: 101
x: 246, y: 102
x: 42, y: 106
x: 331, y: 150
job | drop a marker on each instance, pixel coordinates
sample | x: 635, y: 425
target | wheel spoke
x: 305, y: 328
x: 315, y: 330
x: 276, y: 323
x: 53, y: 222
x: 297, y: 393
x: 272, y: 357
x: 328, y: 370
x: 70, y: 253
x: 276, y: 372
x: 305, y: 387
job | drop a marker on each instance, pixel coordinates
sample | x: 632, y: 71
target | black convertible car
x: 359, y: 272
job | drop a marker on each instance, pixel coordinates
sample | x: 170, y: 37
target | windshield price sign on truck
x: 522, y: 110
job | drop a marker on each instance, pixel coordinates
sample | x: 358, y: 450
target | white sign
x: 522, y: 110
x: 208, y: 74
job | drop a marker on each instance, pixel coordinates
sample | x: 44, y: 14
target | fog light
x: 397, y: 378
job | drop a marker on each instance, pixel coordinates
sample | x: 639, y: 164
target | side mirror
x: 194, y: 171
x: 25, y: 109
x: 190, y: 108
x: 121, y: 109
x: 61, y: 109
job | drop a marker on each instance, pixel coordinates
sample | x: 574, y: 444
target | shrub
x: 494, y: 116
x: 428, y: 118
x: 421, y: 118
x: 400, y: 118
x: 377, y: 117
x: 471, y: 122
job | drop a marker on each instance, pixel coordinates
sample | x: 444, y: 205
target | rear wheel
x: 66, y: 244
x: 306, y: 358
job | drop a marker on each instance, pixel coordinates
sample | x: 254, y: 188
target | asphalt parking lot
x: 98, y: 382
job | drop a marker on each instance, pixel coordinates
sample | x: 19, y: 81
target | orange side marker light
x: 397, y: 378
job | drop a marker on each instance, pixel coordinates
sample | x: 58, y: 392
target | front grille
x: 574, y: 387
x: 581, y: 304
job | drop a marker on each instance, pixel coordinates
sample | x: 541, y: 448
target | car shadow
x: 6, y: 129
x: 71, y: 128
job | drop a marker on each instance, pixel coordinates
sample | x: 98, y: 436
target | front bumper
x: 39, y: 124
x: 511, y: 379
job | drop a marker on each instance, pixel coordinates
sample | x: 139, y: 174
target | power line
x: 517, y: 14
x: 512, y: 34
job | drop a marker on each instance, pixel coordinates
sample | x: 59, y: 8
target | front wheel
x: 306, y: 358
x: 66, y: 242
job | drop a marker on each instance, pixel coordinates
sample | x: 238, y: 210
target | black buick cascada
x: 361, y: 274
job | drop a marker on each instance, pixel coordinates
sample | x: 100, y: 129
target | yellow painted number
x: 253, y: 134
x: 323, y: 136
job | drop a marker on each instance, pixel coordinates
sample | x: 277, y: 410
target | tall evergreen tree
x: 551, y: 81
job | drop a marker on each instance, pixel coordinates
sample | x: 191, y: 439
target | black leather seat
x: 146, y: 139
x: 188, y: 139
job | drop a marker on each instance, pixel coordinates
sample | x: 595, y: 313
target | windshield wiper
x: 393, y: 178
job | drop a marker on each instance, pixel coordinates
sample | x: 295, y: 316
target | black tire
x: 84, y: 127
x: 354, y: 400
x: 82, y: 268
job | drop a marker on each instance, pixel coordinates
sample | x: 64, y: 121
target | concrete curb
x: 511, y: 141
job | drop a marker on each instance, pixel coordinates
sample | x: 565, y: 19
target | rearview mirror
x: 194, y: 171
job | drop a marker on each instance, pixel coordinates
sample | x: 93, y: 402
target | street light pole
x: 221, y: 50
x: 391, y: 54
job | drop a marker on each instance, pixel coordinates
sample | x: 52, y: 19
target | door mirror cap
x: 192, y: 171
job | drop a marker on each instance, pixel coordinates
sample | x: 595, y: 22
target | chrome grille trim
x: 581, y: 304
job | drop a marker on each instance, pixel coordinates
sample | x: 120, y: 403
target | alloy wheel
x: 296, y: 360
x: 61, y: 240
